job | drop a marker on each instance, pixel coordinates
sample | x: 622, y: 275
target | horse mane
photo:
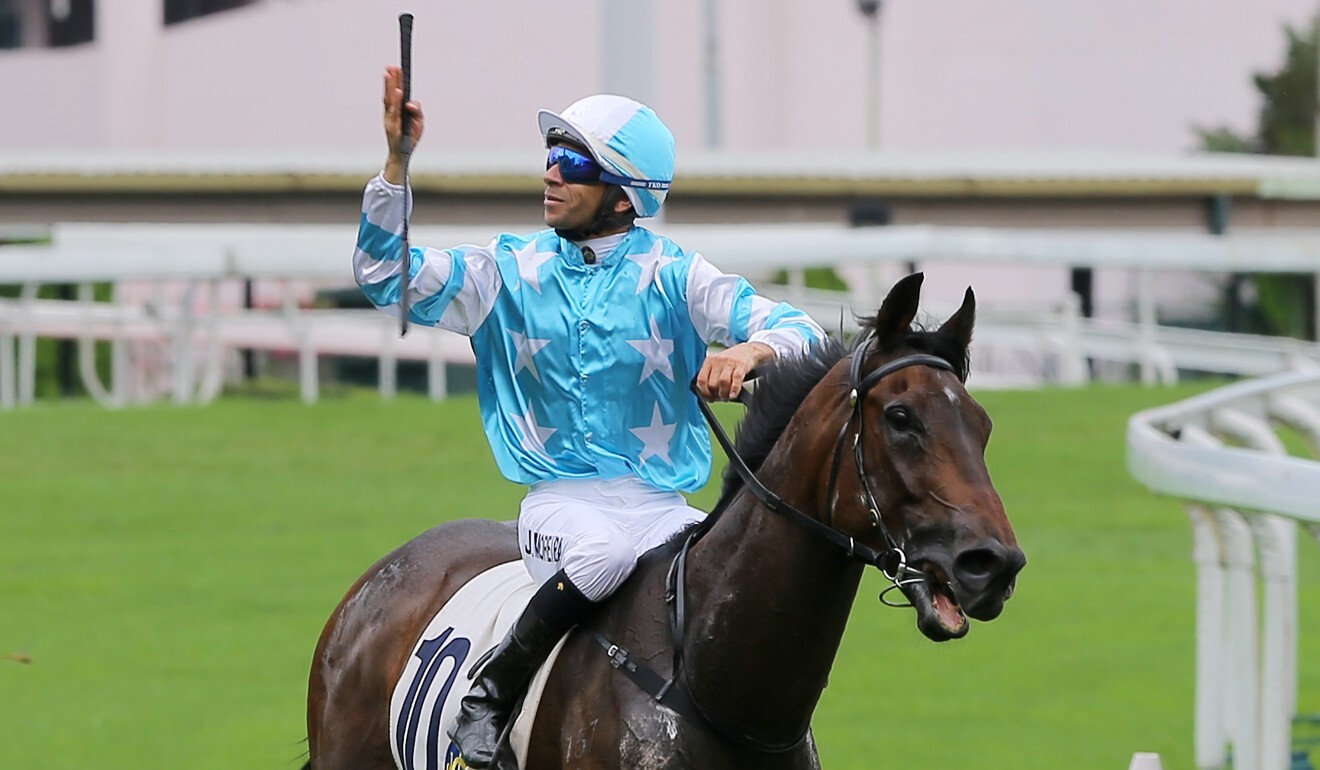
x: 780, y: 389
x: 783, y: 385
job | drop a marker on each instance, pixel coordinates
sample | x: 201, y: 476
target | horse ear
x: 894, y: 318
x: 959, y: 325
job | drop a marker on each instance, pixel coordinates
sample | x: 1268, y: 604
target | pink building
x: 1017, y: 113
x: 270, y: 75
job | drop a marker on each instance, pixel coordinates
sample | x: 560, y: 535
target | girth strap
x: 666, y: 693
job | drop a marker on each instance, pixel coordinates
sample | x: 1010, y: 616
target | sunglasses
x: 577, y: 168
x: 574, y: 167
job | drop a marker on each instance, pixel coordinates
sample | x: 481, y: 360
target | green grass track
x: 168, y: 571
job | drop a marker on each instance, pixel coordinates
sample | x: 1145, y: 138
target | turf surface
x: 168, y: 571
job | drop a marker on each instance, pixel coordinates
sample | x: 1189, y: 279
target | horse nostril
x: 977, y: 564
x: 978, y: 567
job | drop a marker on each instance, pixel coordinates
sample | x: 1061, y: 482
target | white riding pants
x: 595, y: 530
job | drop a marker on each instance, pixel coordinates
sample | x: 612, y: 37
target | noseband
x: 892, y: 561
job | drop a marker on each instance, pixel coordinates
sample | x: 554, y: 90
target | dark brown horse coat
x: 766, y: 601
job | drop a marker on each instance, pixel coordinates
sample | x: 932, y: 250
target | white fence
x: 1245, y: 495
x: 182, y: 343
x: 178, y: 350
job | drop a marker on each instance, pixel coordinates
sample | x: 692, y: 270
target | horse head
x: 920, y: 482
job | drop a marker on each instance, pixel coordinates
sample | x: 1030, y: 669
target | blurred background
x: 1056, y: 156
x: 1130, y: 187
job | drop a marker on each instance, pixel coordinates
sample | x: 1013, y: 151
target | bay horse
x: 873, y: 454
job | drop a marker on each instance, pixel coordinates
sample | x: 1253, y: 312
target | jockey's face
x: 571, y: 205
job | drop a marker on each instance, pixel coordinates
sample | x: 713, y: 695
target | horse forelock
x: 933, y: 343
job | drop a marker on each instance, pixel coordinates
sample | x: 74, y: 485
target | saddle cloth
x: 427, y: 695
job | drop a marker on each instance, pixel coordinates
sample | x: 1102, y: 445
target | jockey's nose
x: 990, y: 568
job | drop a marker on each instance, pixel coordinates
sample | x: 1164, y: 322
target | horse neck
x: 769, y: 602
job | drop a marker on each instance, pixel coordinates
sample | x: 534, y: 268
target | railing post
x: 1146, y: 321
x: 1210, y: 736
x: 1227, y: 677
x: 213, y: 371
x: 1074, y: 368
x: 1242, y: 704
x: 1210, y: 553
x: 308, y: 375
x: 119, y: 363
x: 182, y: 380
x: 437, y: 378
x: 8, y: 372
x: 388, y: 361
x: 91, y: 378
x: 1276, y: 538
x: 26, y: 379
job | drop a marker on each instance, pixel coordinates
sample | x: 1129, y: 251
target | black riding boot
x: 556, y: 607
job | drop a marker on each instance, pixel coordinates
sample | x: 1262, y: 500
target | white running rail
x: 1221, y: 454
x: 183, y: 347
x: 181, y: 351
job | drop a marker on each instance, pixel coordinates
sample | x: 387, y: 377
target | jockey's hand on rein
x: 723, y: 374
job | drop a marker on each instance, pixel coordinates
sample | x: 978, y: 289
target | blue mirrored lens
x: 573, y: 165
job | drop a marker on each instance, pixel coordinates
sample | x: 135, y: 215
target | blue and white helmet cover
x: 626, y: 138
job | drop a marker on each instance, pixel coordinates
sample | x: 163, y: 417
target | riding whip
x: 405, y: 261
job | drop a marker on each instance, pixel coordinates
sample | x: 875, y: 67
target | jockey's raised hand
x: 721, y: 376
x: 394, y: 124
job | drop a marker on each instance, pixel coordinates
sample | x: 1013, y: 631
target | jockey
x: 586, y: 337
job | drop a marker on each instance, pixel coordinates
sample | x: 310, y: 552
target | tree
x: 1286, y: 125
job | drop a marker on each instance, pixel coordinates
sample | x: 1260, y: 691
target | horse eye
x: 900, y: 418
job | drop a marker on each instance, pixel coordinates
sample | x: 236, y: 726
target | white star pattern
x: 529, y: 264
x: 657, y: 351
x: 533, y: 435
x: 527, y: 348
x: 650, y: 262
x: 655, y: 437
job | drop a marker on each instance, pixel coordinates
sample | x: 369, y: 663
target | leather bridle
x: 892, y: 561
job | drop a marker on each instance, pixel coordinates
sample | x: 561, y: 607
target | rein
x: 892, y: 561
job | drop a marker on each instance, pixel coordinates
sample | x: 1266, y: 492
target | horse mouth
x: 939, y: 616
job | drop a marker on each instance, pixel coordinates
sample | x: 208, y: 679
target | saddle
x: 426, y: 697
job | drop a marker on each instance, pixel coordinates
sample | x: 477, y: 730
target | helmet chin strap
x: 606, y: 218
